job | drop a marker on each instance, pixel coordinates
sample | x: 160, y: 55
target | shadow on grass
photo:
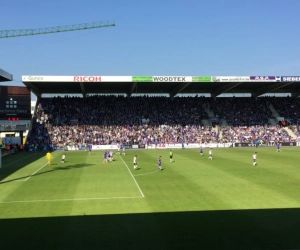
x: 234, y: 229
x: 13, y: 163
x: 53, y: 169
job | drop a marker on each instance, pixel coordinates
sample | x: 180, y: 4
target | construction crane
x: 56, y: 29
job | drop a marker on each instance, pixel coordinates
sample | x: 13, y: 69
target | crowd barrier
x: 269, y: 144
x: 179, y: 146
x: 150, y: 146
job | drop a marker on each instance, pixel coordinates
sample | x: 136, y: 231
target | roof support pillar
x: 82, y: 89
x: 132, y: 87
x: 179, y: 88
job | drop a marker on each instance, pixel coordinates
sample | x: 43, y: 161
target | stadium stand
x: 101, y: 120
x: 287, y: 107
x: 241, y: 111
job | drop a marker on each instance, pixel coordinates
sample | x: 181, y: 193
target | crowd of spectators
x: 100, y: 120
x: 287, y: 107
x: 241, y: 111
x: 119, y: 110
x: 256, y: 134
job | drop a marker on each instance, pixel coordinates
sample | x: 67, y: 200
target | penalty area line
x: 35, y: 172
x: 75, y: 199
x: 133, y: 177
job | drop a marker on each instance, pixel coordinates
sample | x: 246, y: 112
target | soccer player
x: 159, y: 163
x: 254, y: 159
x: 210, y: 154
x: 105, y: 157
x: 278, y: 146
x: 90, y: 149
x: 48, y: 157
x: 63, y: 157
x: 201, y: 151
x: 134, y: 162
x: 118, y: 147
x: 111, y: 156
x: 123, y: 153
x: 108, y: 156
x: 171, y: 156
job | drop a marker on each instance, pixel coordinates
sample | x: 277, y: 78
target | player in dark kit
x: 105, y: 157
x: 159, y: 163
x: 278, y: 147
x: 201, y: 151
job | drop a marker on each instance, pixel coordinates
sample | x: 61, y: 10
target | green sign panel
x: 142, y: 79
x: 201, y: 79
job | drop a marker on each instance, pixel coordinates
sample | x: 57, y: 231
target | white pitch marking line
x: 78, y: 199
x: 35, y: 172
x: 133, y: 177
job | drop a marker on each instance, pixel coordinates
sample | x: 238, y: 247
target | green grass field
x: 194, y: 203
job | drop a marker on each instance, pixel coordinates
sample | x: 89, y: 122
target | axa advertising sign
x: 265, y: 78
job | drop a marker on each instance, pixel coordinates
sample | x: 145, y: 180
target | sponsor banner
x: 293, y: 144
x: 94, y: 78
x: 269, y: 144
x: 104, y: 147
x: 230, y: 78
x: 142, y: 145
x: 135, y: 146
x: 59, y: 148
x: 52, y: 78
x: 265, y: 78
x: 290, y: 78
x: 94, y: 147
x: 201, y: 78
x: 172, y: 78
x: 116, y: 78
x: 191, y: 145
x: 142, y: 79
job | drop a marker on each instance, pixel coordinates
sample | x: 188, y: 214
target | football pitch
x: 192, y: 203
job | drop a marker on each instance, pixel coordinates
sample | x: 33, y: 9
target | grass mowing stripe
x: 146, y: 173
x: 133, y: 177
x: 75, y: 199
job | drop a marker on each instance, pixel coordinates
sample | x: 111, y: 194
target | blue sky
x: 153, y: 37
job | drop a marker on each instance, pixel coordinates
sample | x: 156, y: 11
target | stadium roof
x: 172, y: 85
x: 5, y: 76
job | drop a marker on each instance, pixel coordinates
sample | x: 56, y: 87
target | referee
x: 171, y: 156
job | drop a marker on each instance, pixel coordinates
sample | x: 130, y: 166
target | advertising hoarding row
x: 179, y: 146
x: 97, y: 78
